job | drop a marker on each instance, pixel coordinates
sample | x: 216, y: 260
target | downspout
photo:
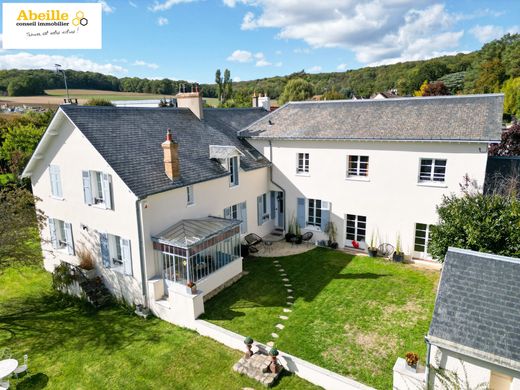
x: 141, y: 250
x: 427, y: 368
x: 275, y: 183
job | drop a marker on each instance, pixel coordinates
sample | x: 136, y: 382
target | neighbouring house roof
x: 129, y: 139
x: 439, y: 118
x: 189, y: 232
x: 477, y: 310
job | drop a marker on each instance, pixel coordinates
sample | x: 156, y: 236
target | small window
x: 357, y: 166
x: 432, y: 170
x: 314, y: 212
x: 356, y: 227
x: 116, y: 253
x: 239, y: 212
x: 303, y: 163
x: 422, y: 237
x: 233, y: 169
x: 264, y: 204
x: 56, y: 190
x: 97, y: 189
x: 61, y: 235
x: 189, y: 195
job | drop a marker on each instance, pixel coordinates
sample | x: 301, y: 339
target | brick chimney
x: 191, y: 100
x: 171, y: 157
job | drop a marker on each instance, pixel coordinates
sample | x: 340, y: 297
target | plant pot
x: 372, y: 252
x: 412, y: 368
x: 299, y: 239
x: 398, y: 257
x: 288, y: 237
x: 333, y: 245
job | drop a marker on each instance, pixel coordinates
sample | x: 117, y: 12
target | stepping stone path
x: 270, y: 343
x: 279, y: 326
x: 284, y: 317
x: 287, y: 310
x: 285, y: 279
x: 274, y: 335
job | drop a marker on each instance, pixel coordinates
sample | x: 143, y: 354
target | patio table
x: 7, y: 367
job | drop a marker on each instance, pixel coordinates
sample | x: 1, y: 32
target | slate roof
x: 478, y: 306
x: 454, y: 118
x: 129, y: 138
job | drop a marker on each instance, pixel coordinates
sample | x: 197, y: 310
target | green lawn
x: 352, y: 315
x: 72, y: 346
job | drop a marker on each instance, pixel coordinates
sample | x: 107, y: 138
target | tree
x: 99, y: 102
x: 296, y: 90
x: 437, y: 88
x: 227, y: 85
x: 511, y: 91
x: 18, y: 228
x: 485, y: 223
x: 218, y: 81
x: 333, y: 95
x: 19, y: 144
x: 509, y: 144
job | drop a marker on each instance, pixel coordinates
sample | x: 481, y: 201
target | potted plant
x: 248, y: 341
x: 274, y: 367
x: 332, y: 232
x: 411, y: 360
x: 86, y: 262
x: 372, y: 248
x: 298, y: 233
x: 291, y: 230
x: 192, y: 286
x: 398, y: 255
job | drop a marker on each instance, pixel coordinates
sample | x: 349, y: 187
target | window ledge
x: 357, y: 178
x: 313, y: 228
x: 190, y: 204
x: 432, y: 184
x: 57, y: 197
x: 234, y: 185
x: 304, y: 174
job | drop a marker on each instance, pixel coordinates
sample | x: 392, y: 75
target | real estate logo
x: 52, y: 25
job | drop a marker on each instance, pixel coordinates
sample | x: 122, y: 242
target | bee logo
x: 80, y: 19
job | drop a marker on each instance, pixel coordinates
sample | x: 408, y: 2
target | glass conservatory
x: 193, y: 249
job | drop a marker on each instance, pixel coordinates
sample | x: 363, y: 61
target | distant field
x: 55, y: 97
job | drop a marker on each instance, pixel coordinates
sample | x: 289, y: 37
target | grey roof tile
x: 478, y: 303
x: 457, y: 118
x: 130, y: 140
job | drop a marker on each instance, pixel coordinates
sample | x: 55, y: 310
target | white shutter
x: 52, y: 229
x: 87, y: 188
x: 54, y: 172
x: 325, y: 205
x: 127, y: 256
x: 107, y: 193
x: 68, y: 238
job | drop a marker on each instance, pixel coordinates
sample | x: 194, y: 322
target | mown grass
x: 72, y: 346
x: 352, y: 315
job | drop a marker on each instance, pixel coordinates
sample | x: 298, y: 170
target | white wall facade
x: 391, y: 197
x: 162, y: 210
x: 73, y: 153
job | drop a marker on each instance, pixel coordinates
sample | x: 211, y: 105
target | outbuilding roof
x: 439, y: 118
x: 477, y: 311
x: 129, y: 139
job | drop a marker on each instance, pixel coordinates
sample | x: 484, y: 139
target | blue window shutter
x: 126, y: 253
x: 69, y: 239
x: 259, y: 210
x: 105, y: 253
x: 52, y: 229
x: 107, y: 190
x: 87, y: 190
x: 243, y: 217
x: 300, y: 212
x: 325, y: 217
x: 227, y: 213
x: 273, y: 204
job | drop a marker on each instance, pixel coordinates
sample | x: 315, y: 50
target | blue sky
x: 189, y: 39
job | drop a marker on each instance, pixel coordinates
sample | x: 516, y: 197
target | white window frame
x: 426, y: 238
x: 61, y: 237
x: 314, y: 213
x: 354, y: 169
x: 432, y: 177
x: 100, y: 188
x: 234, y: 169
x: 234, y: 212
x: 190, y: 196
x: 303, y: 169
x: 357, y: 229
x: 59, y: 227
x: 115, y: 251
x: 55, y: 177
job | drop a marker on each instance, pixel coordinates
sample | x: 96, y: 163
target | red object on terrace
x: 355, y: 244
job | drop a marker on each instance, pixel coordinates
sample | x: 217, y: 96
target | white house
x: 161, y: 208
x: 376, y: 167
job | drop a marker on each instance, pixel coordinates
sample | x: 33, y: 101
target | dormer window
x: 233, y: 169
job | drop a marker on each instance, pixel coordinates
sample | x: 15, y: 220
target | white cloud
x: 145, y: 64
x: 25, y: 60
x: 342, y: 67
x: 232, y: 3
x: 489, y: 32
x: 241, y: 56
x: 106, y: 8
x: 314, y: 69
x: 261, y: 60
x: 167, y: 4
x: 132, y: 4
x: 237, y: 79
x: 162, y: 21
x: 300, y: 50
x: 122, y: 60
x: 376, y: 30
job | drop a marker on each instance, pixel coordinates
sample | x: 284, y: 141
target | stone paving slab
x: 253, y: 368
x: 287, y: 310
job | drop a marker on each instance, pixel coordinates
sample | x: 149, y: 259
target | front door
x: 279, y: 209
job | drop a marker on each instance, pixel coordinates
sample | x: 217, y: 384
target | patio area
x: 280, y: 247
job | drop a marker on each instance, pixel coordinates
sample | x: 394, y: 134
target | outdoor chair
x: 307, y: 236
x: 4, y: 385
x: 385, y: 250
x: 22, y: 367
x: 253, y: 239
